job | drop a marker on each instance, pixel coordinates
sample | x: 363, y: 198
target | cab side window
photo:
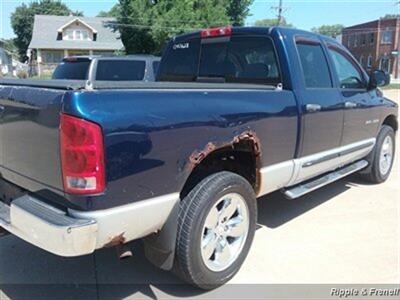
x: 314, y: 65
x: 349, y: 74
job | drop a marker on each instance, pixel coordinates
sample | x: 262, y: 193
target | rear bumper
x: 47, y: 227
x: 76, y: 233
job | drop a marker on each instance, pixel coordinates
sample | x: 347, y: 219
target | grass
x: 392, y: 86
x: 43, y: 77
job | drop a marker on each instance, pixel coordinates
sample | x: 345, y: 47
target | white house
x: 55, y: 37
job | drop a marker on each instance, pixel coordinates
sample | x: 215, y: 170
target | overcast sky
x: 303, y: 14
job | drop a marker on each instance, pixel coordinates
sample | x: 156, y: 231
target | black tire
x: 373, y: 173
x: 194, y: 209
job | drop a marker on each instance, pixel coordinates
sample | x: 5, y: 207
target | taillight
x: 82, y: 156
x: 216, y: 32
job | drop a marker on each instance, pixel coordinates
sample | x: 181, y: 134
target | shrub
x: 22, y: 74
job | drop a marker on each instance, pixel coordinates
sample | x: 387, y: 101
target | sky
x: 303, y: 14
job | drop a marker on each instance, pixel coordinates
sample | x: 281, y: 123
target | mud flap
x: 159, y: 248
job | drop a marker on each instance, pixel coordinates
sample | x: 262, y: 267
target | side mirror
x: 378, y: 78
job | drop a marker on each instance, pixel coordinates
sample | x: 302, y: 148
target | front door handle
x: 313, y: 107
x: 350, y: 104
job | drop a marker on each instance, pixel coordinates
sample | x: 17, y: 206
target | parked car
x: 237, y: 113
x: 108, y: 68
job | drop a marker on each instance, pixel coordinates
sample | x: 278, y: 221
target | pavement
x: 345, y: 233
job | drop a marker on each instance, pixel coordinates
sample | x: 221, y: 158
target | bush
x: 22, y: 74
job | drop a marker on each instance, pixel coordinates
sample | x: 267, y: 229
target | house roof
x: 45, y: 32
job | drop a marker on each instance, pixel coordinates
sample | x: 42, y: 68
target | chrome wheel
x: 225, y: 231
x: 386, y: 155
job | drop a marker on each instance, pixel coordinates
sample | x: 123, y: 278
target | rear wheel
x: 382, y: 158
x: 217, y: 222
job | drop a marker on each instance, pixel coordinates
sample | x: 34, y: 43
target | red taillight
x: 82, y: 156
x: 216, y: 32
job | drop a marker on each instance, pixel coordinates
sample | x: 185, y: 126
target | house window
x: 77, y: 34
x: 355, y: 40
x: 52, y: 57
x: 385, y: 64
x: 371, y: 38
x: 69, y: 34
x: 362, y: 60
x: 386, y: 37
x: 369, y: 61
x: 363, y: 39
x: 350, y: 40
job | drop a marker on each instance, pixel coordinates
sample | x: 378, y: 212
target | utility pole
x: 280, y: 9
x: 280, y: 12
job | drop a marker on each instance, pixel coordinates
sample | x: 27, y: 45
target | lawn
x: 392, y: 86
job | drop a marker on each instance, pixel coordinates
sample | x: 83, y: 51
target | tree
x: 329, y: 30
x: 273, y: 22
x: 113, y: 12
x: 9, y: 45
x: 145, y: 25
x: 133, y: 22
x: 238, y: 11
x: 23, y: 17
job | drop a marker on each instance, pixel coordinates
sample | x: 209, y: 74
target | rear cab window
x: 314, y: 64
x: 120, y: 70
x: 231, y: 59
x: 72, y: 69
x: 156, y: 65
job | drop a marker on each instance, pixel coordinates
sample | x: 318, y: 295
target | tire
x: 201, y: 223
x: 379, y: 170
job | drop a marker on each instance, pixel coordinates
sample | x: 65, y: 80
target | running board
x: 305, y: 188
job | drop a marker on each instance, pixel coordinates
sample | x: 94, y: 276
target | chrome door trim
x: 297, y: 170
x: 335, y: 155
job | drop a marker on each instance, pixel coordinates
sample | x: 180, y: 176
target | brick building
x: 375, y: 44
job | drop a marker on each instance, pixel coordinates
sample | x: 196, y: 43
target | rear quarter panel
x: 150, y: 134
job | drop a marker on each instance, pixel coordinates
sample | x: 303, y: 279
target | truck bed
x: 150, y: 131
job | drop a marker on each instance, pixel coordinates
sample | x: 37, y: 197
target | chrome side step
x: 305, y: 188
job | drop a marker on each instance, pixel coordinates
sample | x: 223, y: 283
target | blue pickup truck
x: 235, y: 114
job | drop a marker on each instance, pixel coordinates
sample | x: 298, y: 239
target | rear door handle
x: 350, y: 104
x: 313, y: 107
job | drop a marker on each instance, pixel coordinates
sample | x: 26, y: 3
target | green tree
x: 238, y: 11
x: 113, y: 12
x: 145, y: 25
x: 273, y: 22
x: 329, y: 30
x: 134, y: 22
x: 9, y: 45
x: 23, y: 17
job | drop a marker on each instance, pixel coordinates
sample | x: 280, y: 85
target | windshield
x: 77, y: 70
x: 238, y: 59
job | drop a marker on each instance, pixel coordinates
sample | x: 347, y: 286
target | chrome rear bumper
x: 76, y: 233
x: 48, y: 227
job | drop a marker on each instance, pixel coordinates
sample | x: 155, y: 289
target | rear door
x: 322, y: 107
x: 361, y: 113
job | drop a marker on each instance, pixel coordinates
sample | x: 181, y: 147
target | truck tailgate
x: 29, y: 137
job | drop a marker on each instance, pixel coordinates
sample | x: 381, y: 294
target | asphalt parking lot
x: 347, y: 232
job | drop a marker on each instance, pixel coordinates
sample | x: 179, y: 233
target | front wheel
x: 217, y: 221
x: 382, y: 158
